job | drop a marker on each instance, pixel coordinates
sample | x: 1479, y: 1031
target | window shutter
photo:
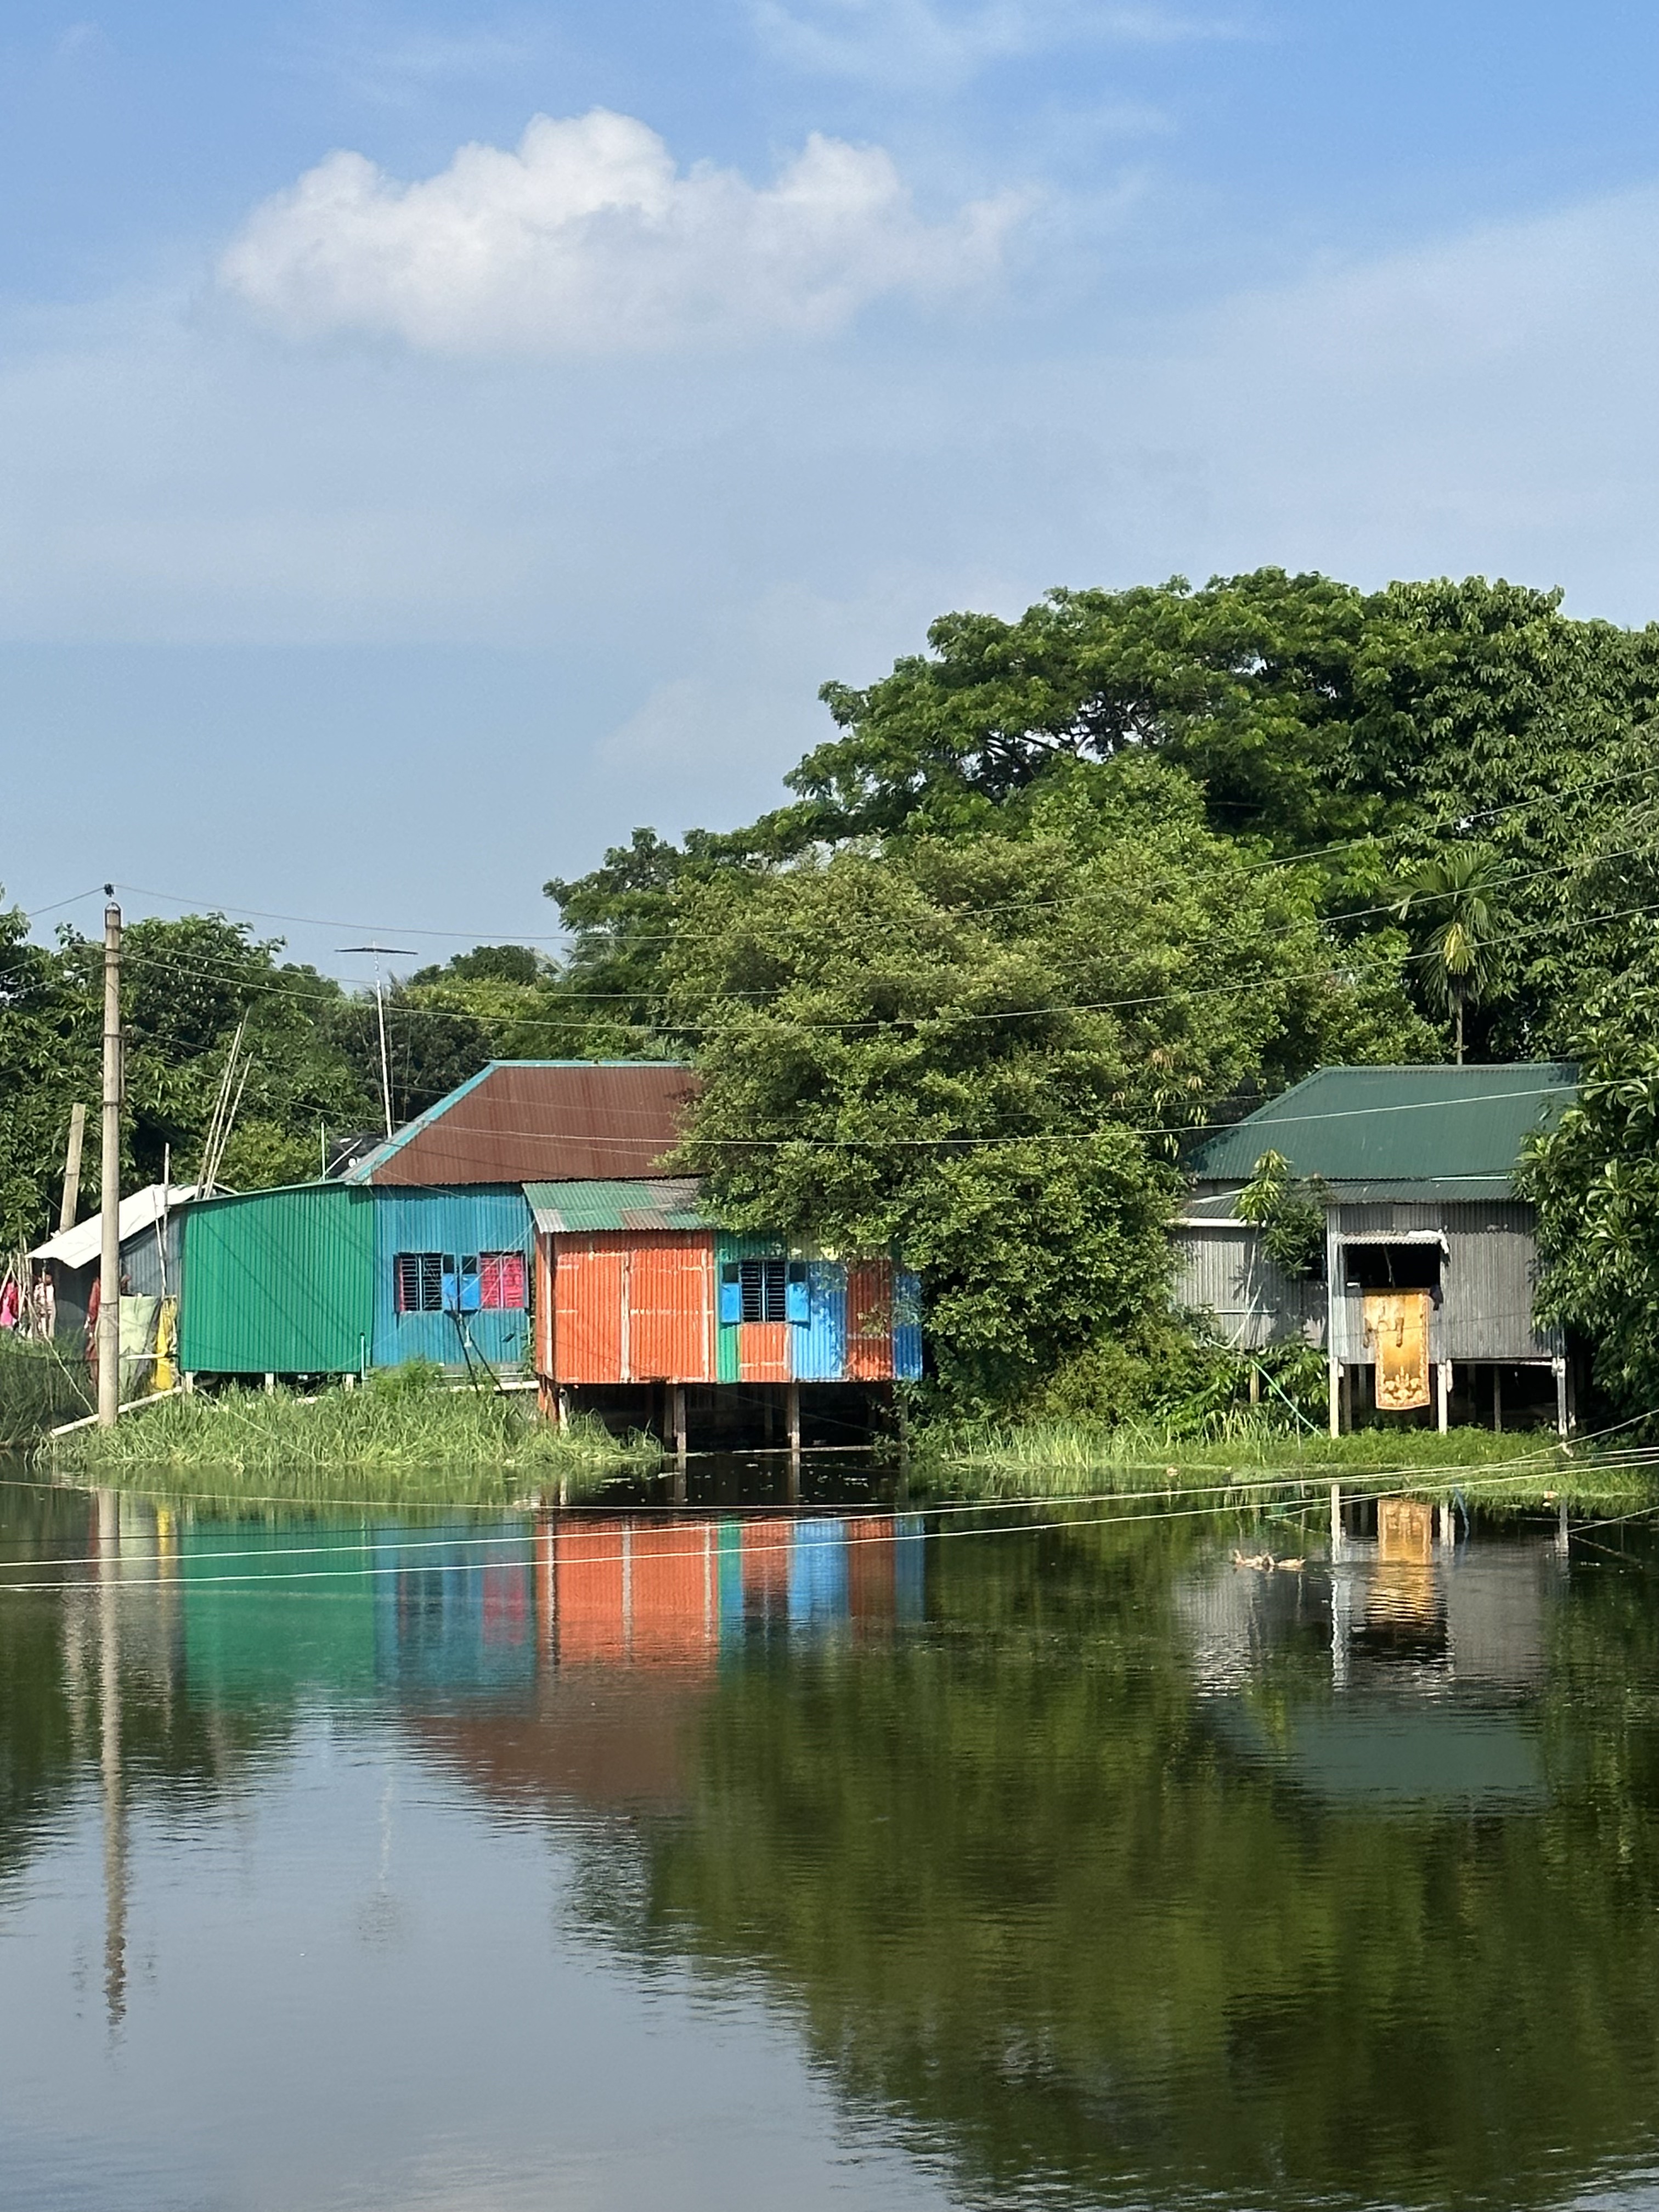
x: 796, y: 1299
x: 470, y: 1285
x: 731, y: 1295
x: 501, y: 1281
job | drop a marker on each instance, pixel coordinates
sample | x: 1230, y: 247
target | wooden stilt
x: 1442, y: 1394
x: 792, y: 1412
x: 1560, y: 1367
x: 1335, y: 1396
x: 1497, y: 1401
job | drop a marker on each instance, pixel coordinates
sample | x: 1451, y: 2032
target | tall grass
x: 1059, y: 1459
x: 404, y: 1435
x: 39, y: 1386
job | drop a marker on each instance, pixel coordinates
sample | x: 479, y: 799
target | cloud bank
x: 587, y: 239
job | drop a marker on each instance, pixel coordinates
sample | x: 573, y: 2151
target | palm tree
x: 1461, y: 894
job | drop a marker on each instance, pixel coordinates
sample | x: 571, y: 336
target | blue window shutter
x: 731, y: 1295
x: 797, y: 1300
x: 470, y: 1286
x: 451, y: 1284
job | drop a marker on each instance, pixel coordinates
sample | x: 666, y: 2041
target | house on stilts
x: 522, y: 1230
x: 1423, y: 1293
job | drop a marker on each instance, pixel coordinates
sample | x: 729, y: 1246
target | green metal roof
x: 590, y: 1207
x: 1398, y: 1128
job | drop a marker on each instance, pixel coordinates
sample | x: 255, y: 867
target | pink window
x: 501, y: 1280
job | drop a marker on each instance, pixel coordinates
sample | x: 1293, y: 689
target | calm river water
x: 478, y: 1862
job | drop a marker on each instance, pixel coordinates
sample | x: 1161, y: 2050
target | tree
x: 1458, y: 901
x: 982, y: 1051
x: 1594, y: 1179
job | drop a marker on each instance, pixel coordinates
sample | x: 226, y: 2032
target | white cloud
x: 918, y: 45
x: 587, y: 239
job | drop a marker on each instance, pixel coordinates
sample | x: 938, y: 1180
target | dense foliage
x: 1056, y: 892
x: 1063, y: 887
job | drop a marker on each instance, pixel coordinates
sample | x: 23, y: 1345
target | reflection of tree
x: 1023, y: 1899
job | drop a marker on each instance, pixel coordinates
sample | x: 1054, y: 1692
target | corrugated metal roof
x: 541, y: 1120
x: 80, y: 1246
x: 1386, y: 1127
x: 574, y: 1207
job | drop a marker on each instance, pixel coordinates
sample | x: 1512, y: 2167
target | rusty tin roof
x: 541, y: 1120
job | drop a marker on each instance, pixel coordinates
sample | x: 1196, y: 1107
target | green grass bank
x: 1070, y: 1459
x: 406, y: 1436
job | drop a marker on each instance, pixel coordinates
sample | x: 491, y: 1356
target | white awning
x: 80, y: 1246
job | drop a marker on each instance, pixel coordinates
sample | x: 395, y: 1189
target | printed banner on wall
x: 1397, y: 1324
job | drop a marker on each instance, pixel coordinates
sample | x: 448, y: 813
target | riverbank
x: 1057, y: 1460
x: 417, y: 1439
x: 39, y: 1387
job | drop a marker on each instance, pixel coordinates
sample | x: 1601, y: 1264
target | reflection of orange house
x: 629, y: 1588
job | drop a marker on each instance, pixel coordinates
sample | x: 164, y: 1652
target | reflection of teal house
x: 457, y: 1612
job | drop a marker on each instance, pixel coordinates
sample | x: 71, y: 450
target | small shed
x: 1425, y: 1236
x: 636, y: 1282
x: 149, y: 1223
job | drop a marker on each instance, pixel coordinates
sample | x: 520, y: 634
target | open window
x: 1408, y: 1265
x: 764, y: 1290
x: 420, y: 1281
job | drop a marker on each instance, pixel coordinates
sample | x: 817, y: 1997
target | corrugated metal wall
x: 670, y: 1309
x: 820, y: 1348
x: 487, y: 1218
x: 279, y: 1282
x: 907, y: 1326
x: 870, y: 1320
x: 631, y: 1309
x: 1224, y: 1273
x: 1488, y: 1281
x: 632, y: 1306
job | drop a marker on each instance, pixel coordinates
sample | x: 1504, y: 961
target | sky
x: 435, y: 439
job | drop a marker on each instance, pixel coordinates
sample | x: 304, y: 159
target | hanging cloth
x: 1397, y: 1325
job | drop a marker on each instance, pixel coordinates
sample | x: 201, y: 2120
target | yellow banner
x: 1397, y: 1324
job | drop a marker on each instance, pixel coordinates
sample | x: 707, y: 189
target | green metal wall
x: 279, y: 1282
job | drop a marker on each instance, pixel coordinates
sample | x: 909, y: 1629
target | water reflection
x: 1087, y: 1865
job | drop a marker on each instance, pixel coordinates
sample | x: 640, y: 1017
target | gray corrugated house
x: 1423, y: 1228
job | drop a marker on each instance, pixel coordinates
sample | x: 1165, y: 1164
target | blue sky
x: 406, y: 495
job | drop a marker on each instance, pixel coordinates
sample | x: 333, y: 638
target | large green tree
x: 984, y: 1050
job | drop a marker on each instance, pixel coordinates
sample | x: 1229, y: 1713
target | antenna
x: 394, y: 951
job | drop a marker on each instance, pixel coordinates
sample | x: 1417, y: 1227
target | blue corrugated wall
x: 906, y: 1327
x: 485, y: 1218
x: 820, y: 1348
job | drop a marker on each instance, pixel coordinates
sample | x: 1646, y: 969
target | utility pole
x: 72, y: 1168
x: 400, y: 952
x: 109, y: 1189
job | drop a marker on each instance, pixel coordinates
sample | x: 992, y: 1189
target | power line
x: 1460, y: 821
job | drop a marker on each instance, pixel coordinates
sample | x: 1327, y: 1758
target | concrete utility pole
x: 72, y: 1168
x: 109, y: 1189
